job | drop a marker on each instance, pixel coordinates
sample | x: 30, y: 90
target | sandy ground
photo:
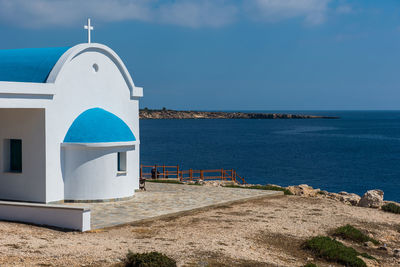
x: 267, y: 232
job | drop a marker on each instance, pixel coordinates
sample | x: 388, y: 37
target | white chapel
x: 69, y: 125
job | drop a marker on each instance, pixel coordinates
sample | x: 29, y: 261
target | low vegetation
x: 349, y: 232
x: 151, y: 259
x: 310, y: 265
x: 194, y: 184
x: 391, y: 207
x: 334, y: 251
x: 263, y: 187
x: 164, y: 181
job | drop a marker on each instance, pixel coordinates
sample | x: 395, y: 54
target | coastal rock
x: 372, y: 199
x: 349, y: 198
x: 323, y: 192
x: 303, y: 190
x: 213, y: 183
x: 334, y: 196
x: 198, y: 182
x: 218, y: 183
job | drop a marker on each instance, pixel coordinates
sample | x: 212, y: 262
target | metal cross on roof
x: 89, y: 28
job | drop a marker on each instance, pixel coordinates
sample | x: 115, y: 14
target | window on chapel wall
x: 13, y: 155
x: 121, y: 161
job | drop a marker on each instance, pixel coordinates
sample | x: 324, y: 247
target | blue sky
x: 232, y: 55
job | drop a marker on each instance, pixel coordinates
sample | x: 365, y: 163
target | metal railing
x: 174, y: 172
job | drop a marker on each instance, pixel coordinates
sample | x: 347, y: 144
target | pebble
x: 370, y: 235
x: 369, y: 244
x: 383, y: 248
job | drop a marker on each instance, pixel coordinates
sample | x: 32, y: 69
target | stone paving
x: 162, y: 199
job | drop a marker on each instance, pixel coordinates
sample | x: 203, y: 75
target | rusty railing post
x: 201, y: 175
x: 163, y: 171
x: 177, y: 173
x: 190, y: 174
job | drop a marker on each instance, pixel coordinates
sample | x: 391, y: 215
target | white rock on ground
x: 303, y: 190
x: 308, y: 191
x: 372, y: 199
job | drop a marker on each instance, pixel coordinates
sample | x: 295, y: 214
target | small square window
x: 13, y: 155
x: 122, y: 161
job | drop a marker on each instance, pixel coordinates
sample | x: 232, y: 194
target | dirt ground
x: 266, y: 232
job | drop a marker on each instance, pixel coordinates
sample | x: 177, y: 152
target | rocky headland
x: 177, y: 114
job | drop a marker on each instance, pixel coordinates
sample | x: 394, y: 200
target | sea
x: 355, y: 153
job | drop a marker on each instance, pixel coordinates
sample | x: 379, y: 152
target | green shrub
x: 262, y: 187
x: 162, y: 181
x: 334, y: 251
x: 351, y: 233
x: 367, y: 256
x: 391, y: 207
x: 310, y: 265
x: 151, y: 259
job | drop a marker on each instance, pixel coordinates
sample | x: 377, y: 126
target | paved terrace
x: 163, y: 199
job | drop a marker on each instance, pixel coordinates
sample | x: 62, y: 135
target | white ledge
x: 42, y: 205
x: 24, y: 89
x: 101, y: 145
x: 137, y: 92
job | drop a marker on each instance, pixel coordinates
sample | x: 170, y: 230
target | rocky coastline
x: 371, y: 198
x: 185, y: 114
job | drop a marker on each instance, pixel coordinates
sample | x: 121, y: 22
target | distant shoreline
x: 159, y: 114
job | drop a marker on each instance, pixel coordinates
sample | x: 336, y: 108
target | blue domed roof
x: 30, y: 64
x: 97, y: 125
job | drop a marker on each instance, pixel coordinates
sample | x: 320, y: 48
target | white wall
x: 92, y: 173
x: 52, y: 215
x: 78, y: 88
x: 28, y: 125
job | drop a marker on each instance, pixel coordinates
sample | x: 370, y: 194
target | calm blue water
x: 357, y: 152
